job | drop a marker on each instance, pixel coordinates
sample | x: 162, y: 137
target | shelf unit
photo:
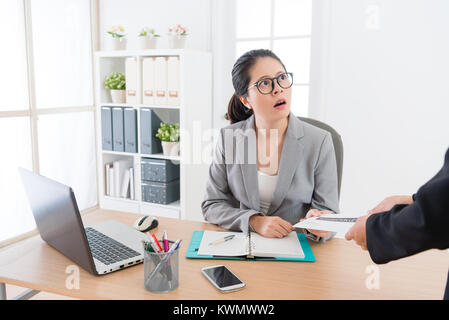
x: 194, y: 115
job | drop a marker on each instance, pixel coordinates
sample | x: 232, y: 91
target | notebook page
x: 287, y: 247
x: 235, y: 247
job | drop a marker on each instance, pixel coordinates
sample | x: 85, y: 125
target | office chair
x: 338, y: 145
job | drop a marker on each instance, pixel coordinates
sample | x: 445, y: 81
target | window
x: 283, y: 26
x: 46, y: 108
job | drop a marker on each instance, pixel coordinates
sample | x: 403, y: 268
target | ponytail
x: 237, y: 110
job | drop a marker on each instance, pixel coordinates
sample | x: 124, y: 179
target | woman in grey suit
x: 269, y: 169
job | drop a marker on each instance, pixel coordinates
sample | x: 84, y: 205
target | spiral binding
x: 251, y: 247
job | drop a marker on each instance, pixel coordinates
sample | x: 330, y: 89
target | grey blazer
x: 307, y: 176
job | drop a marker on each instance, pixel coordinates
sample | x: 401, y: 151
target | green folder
x: 197, y: 236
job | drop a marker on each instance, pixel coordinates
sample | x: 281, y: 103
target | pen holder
x: 161, y: 271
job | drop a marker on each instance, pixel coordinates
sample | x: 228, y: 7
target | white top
x: 267, y: 184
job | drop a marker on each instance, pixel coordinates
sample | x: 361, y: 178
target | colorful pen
x: 154, y: 245
x: 175, y: 246
x: 165, y: 241
x: 157, y: 243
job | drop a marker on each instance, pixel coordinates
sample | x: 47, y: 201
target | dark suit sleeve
x: 409, y: 229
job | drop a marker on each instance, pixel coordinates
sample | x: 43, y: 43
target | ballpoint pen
x: 221, y: 240
x: 157, y: 243
x: 165, y: 241
x: 166, y: 246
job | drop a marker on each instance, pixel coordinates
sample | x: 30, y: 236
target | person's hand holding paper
x: 314, y: 213
x: 322, y: 223
x: 358, y: 231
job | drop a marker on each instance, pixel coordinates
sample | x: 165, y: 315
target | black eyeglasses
x: 266, y: 85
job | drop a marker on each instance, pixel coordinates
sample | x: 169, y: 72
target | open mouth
x: 279, y: 103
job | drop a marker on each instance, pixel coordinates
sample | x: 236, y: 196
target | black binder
x: 106, y: 128
x: 149, y: 124
x: 130, y: 122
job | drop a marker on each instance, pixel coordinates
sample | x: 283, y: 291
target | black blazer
x: 408, y: 229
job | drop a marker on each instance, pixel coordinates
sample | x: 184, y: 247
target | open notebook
x: 251, y: 245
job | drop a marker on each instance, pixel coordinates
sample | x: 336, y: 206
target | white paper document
x: 328, y: 222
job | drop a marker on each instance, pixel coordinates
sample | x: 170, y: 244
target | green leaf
x: 168, y: 132
x: 115, y: 81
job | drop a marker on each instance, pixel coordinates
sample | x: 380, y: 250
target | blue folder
x: 106, y: 128
x: 197, y: 236
x: 130, y: 130
x: 117, y: 129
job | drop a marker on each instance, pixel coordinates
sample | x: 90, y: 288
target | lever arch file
x: 173, y: 81
x: 117, y: 129
x: 149, y: 124
x: 160, y: 81
x: 130, y: 122
x: 148, y: 92
x: 131, y: 80
x: 106, y: 128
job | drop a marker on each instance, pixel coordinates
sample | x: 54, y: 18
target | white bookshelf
x: 195, y: 110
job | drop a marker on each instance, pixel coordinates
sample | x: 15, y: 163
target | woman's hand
x: 317, y: 213
x: 390, y: 202
x: 271, y: 227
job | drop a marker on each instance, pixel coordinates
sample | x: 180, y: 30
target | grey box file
x: 106, y: 128
x: 149, y: 124
x: 160, y: 170
x: 160, y: 192
x: 130, y: 122
x: 117, y: 129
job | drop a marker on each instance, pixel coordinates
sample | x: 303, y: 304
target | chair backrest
x: 338, y: 145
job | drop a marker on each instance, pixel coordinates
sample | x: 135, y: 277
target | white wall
x: 223, y: 48
x: 386, y: 91
x: 133, y: 15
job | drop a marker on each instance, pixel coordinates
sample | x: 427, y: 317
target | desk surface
x: 342, y: 271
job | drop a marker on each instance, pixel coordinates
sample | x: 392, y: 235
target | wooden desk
x: 338, y: 273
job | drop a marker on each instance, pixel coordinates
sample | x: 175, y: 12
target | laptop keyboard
x: 106, y: 249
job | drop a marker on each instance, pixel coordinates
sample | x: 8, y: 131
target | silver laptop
x: 100, y: 248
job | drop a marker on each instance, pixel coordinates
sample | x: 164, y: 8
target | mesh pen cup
x: 161, y: 270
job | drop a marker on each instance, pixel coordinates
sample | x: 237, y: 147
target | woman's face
x: 269, y: 107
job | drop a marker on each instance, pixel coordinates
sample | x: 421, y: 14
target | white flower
x: 116, y: 31
x: 116, y: 28
x: 148, y: 32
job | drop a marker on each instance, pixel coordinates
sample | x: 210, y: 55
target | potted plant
x: 117, y: 84
x: 169, y: 135
x: 117, y: 41
x: 177, y: 36
x: 148, y: 38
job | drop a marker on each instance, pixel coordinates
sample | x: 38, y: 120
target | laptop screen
x: 57, y: 217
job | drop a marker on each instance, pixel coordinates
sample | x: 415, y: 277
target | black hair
x: 240, y: 80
